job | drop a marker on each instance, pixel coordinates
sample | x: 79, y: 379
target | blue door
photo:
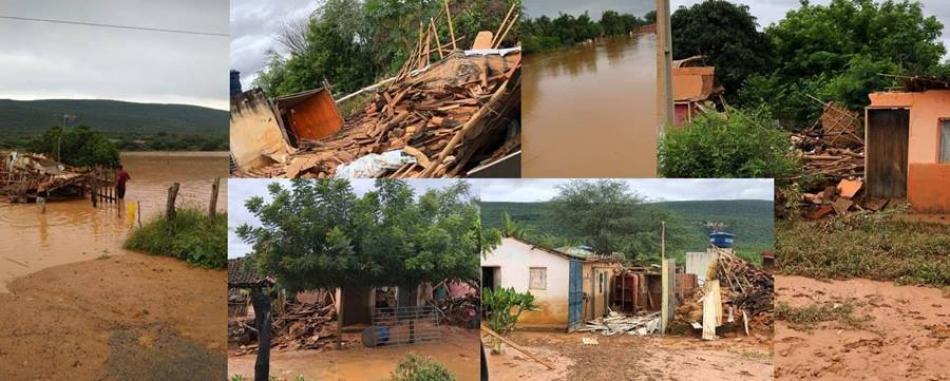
x: 575, y: 297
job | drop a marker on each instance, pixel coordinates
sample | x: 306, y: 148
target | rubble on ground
x: 460, y: 312
x: 438, y: 119
x: 294, y: 326
x: 617, y: 323
x: 25, y: 176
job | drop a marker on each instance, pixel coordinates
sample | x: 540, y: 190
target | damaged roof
x: 244, y: 276
x: 692, y: 82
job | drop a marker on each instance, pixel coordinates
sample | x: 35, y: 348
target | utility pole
x: 663, y: 240
x: 664, y: 63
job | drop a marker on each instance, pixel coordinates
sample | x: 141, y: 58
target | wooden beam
x: 516, y: 346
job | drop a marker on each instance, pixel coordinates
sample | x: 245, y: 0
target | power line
x: 115, y: 26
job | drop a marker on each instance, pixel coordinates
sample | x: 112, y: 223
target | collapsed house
x: 908, y: 144
x: 384, y: 315
x: 26, y: 176
x: 455, y: 117
x: 694, y: 89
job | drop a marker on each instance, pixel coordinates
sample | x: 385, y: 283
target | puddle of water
x: 590, y: 111
x: 72, y: 231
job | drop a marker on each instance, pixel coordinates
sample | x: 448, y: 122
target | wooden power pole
x: 664, y: 64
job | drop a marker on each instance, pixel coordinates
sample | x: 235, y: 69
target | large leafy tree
x: 727, y: 35
x: 610, y: 217
x: 320, y: 234
x: 79, y: 146
x: 839, y: 51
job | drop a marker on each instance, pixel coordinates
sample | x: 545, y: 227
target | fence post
x: 212, y: 209
x: 170, y: 206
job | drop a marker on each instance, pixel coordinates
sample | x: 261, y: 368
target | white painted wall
x: 515, y: 259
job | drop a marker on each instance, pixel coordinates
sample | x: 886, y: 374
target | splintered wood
x: 295, y: 326
x: 447, y: 117
x: 744, y: 286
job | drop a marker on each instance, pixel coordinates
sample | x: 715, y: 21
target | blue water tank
x: 722, y: 240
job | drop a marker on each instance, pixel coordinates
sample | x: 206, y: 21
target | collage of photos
x: 684, y: 189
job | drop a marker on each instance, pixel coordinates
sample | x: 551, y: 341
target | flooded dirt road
x: 74, y: 231
x: 903, y: 334
x: 457, y: 351
x: 625, y: 357
x: 590, y: 111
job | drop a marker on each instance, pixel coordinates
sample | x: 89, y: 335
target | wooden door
x: 886, y: 150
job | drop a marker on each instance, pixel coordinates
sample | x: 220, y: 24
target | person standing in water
x: 121, y: 176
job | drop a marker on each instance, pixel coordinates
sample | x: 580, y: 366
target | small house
x: 569, y: 287
x: 907, y: 144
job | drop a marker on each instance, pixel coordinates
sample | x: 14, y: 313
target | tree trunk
x: 212, y: 208
x: 262, y: 319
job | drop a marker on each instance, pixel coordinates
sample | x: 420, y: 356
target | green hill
x: 111, y: 117
x: 750, y: 220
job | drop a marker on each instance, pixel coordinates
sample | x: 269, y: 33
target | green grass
x: 806, y: 318
x: 879, y: 246
x: 190, y: 237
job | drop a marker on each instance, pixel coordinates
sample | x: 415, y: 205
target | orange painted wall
x: 928, y: 187
x: 927, y: 109
x: 928, y: 183
x: 316, y: 117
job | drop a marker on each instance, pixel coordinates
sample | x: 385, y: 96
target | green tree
x: 514, y: 229
x: 727, y: 35
x: 734, y: 144
x: 504, y: 307
x: 79, y: 146
x: 611, y: 218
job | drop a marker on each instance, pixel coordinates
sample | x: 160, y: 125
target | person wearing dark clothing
x: 121, y: 176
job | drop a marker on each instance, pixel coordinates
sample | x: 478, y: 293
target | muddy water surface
x: 590, y: 111
x: 73, y: 231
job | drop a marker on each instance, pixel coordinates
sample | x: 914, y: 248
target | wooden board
x: 887, y: 147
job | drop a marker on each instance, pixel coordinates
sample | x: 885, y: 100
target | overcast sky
x: 254, y: 23
x: 551, y: 8
x: 524, y: 190
x: 41, y: 60
x: 771, y: 11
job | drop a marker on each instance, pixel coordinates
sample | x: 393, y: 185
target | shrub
x: 190, y: 237
x: 733, y: 144
x: 505, y: 306
x: 415, y: 368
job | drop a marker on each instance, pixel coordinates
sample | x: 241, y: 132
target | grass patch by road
x: 191, y: 237
x: 806, y: 318
x: 878, y: 246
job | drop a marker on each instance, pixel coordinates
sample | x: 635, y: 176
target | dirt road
x: 457, y: 351
x: 625, y: 357
x: 902, y: 334
x: 121, y: 317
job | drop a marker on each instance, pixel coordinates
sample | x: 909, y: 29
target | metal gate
x: 575, y: 298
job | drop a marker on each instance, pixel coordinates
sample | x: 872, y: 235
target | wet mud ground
x: 74, y: 305
x: 457, y: 351
x: 904, y: 333
x: 625, y: 357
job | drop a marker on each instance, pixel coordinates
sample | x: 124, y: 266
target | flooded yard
x: 590, y: 111
x: 73, y: 231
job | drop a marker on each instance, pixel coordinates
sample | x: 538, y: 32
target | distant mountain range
x: 750, y: 220
x: 111, y: 117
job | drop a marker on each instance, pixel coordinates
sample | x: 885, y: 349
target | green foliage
x: 514, y: 229
x: 504, y: 307
x: 807, y: 317
x: 726, y: 34
x: 544, y: 33
x: 609, y: 217
x: 416, y: 368
x: 191, y: 236
x: 111, y: 117
x: 734, y: 144
x: 870, y: 38
x: 319, y: 234
x: 878, y: 247
x: 78, y: 146
x: 354, y: 43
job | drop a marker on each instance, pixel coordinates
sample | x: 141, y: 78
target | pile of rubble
x: 438, y: 119
x: 294, y: 326
x: 460, y: 312
x: 25, y: 176
x: 833, y: 150
x: 617, y: 323
x: 735, y: 293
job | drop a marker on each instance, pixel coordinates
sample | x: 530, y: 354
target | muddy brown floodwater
x: 75, y: 305
x: 74, y: 231
x: 590, y: 111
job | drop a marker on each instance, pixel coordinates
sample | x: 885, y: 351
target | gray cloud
x: 552, y: 8
x: 40, y: 60
x: 771, y: 11
x: 254, y: 26
x: 523, y: 190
